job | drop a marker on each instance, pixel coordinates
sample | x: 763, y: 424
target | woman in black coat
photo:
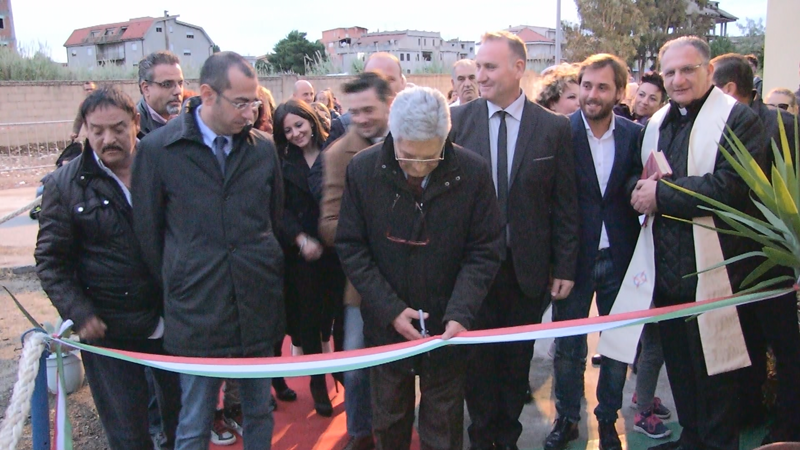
x: 314, y: 281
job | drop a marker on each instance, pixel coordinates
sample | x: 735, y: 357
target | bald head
x: 387, y: 65
x: 304, y: 91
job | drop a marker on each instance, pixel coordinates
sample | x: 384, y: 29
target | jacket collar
x: 388, y: 168
x: 189, y: 129
x: 692, y: 109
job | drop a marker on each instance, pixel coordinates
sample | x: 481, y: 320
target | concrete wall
x: 781, y: 52
x: 58, y: 101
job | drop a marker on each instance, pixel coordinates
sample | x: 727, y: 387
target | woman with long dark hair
x: 314, y: 281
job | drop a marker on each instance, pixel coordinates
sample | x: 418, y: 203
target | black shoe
x: 563, y: 431
x: 673, y: 445
x: 608, y: 436
x: 283, y: 391
x: 362, y: 443
x: 597, y: 359
x: 319, y: 391
x: 529, y: 394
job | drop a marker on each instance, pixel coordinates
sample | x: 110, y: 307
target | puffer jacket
x: 674, y: 240
x: 87, y: 255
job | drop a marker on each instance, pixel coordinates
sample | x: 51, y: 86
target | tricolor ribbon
x: 295, y: 366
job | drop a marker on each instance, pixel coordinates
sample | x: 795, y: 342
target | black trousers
x: 441, y: 406
x: 707, y: 406
x: 773, y: 323
x: 497, y: 375
x: 119, y: 390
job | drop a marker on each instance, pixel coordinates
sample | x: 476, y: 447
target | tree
x: 292, y: 52
x: 752, y: 39
x: 607, y: 26
x: 665, y: 20
x: 721, y: 45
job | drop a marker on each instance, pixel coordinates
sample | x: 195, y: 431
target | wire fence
x: 32, y: 145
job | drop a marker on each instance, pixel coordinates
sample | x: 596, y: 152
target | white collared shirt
x: 513, y: 119
x: 209, y: 135
x: 603, y: 150
x: 156, y: 116
x: 108, y: 171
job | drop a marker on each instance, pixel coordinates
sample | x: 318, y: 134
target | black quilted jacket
x: 674, y: 241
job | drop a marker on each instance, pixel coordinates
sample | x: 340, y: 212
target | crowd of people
x: 214, y: 224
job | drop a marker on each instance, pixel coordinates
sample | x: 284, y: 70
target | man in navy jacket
x: 605, y: 147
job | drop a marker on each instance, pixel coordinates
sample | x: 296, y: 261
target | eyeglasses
x: 423, y: 161
x: 168, y: 84
x: 417, y: 228
x: 783, y: 106
x: 241, y: 106
x: 684, y: 71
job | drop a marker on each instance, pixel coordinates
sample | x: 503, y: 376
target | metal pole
x: 40, y: 408
x: 558, y: 32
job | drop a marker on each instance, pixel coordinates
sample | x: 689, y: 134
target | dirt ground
x: 87, y: 431
x: 30, y: 176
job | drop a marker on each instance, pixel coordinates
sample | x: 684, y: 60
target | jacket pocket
x: 97, y: 219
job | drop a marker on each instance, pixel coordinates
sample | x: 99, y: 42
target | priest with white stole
x: 700, y: 354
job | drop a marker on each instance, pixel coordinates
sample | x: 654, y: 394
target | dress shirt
x: 513, y: 118
x: 603, y: 150
x: 209, y: 135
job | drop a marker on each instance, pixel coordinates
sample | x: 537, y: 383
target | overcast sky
x: 253, y: 27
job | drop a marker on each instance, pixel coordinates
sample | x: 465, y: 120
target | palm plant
x: 777, y: 197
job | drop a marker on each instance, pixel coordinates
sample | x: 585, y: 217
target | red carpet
x: 297, y: 425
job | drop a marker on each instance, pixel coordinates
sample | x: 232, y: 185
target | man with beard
x: 605, y: 147
x: 464, y: 81
x: 161, y: 85
x: 90, y: 265
x: 369, y: 97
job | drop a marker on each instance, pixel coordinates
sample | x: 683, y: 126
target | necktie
x: 502, y: 169
x: 219, y: 151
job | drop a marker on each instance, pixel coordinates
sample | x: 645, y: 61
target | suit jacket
x: 542, y: 199
x: 612, y: 207
x: 335, y: 161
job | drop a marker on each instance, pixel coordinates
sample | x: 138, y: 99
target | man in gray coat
x: 207, y: 191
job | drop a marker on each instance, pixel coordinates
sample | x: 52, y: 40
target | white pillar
x: 781, y: 52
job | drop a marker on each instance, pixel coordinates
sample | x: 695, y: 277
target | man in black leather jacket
x: 89, y: 263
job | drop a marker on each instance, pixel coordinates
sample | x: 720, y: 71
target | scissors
x: 422, y: 330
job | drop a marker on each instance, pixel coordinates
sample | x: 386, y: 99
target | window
x: 402, y: 56
x: 417, y: 56
x: 419, y: 41
x: 2, y: 23
x: 94, y: 33
x: 109, y: 32
x: 133, y: 46
x: 189, y: 35
x: 122, y: 30
x: 74, y: 53
x: 187, y: 52
x: 462, y: 46
x: 426, y: 56
x: 408, y: 56
x: 89, y: 51
x: 425, y: 42
x: 158, y: 29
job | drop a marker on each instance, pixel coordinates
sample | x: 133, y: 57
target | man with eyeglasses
x: 207, y: 195
x: 701, y: 355
x: 419, y: 238
x: 161, y: 85
x: 769, y: 323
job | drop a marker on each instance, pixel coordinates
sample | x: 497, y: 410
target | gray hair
x: 148, y: 63
x: 419, y: 114
x: 699, y: 44
x: 462, y: 62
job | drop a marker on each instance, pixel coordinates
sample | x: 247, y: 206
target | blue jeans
x: 200, y: 396
x: 357, y: 401
x: 570, y: 358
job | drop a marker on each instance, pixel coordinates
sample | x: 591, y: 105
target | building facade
x: 340, y: 37
x: 540, y: 42
x: 126, y: 43
x: 7, y: 36
x: 418, y: 51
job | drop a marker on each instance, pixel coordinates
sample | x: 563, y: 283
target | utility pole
x: 558, y: 32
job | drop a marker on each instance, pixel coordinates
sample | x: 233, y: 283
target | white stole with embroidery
x: 721, y: 335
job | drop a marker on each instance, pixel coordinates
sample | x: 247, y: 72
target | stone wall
x: 27, y: 107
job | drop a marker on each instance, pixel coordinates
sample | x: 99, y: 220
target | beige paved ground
x: 18, y: 235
